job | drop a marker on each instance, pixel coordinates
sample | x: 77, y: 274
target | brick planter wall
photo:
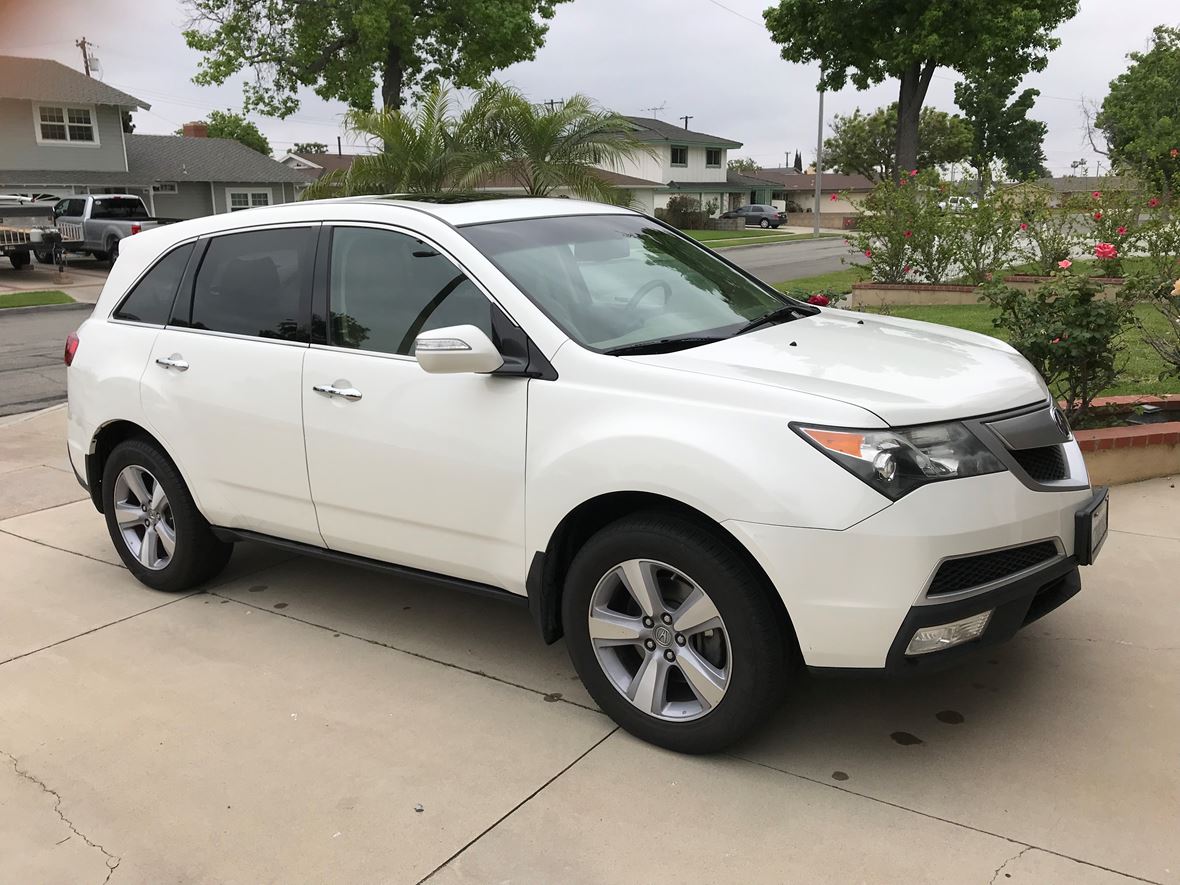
x: 827, y: 220
x: 876, y: 294
x: 1137, y: 451
x: 1026, y: 283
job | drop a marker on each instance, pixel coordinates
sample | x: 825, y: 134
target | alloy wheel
x: 144, y: 517
x: 660, y: 640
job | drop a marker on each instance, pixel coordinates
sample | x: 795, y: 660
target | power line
x: 738, y: 14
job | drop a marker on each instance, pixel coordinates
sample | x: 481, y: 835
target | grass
x: 1142, y: 365
x: 33, y: 299
x: 716, y: 239
x: 837, y: 280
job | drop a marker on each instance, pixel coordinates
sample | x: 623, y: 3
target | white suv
x: 701, y: 483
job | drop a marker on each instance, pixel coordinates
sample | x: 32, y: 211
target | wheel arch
x: 105, y: 438
x: 545, y: 582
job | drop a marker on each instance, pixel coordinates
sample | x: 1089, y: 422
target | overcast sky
x: 712, y: 59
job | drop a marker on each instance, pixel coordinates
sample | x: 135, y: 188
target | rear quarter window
x: 150, y: 301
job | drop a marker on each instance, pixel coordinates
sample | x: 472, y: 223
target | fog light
x: 944, y: 636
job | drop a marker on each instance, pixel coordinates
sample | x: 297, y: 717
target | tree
x: 309, y: 147
x: 866, y: 144
x: 1140, y: 116
x: 798, y: 162
x: 227, y: 124
x: 1001, y: 130
x: 128, y: 125
x: 868, y: 41
x: 744, y: 165
x: 343, y: 48
x: 543, y: 147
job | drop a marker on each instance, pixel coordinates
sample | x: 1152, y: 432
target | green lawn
x: 30, y: 299
x: 751, y: 236
x: 837, y: 280
x: 1142, y: 364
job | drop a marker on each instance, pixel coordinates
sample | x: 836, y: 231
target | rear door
x: 222, y: 387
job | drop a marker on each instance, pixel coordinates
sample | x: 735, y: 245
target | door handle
x: 173, y: 362
x: 348, y: 393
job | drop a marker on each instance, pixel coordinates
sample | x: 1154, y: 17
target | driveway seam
x: 13, y: 534
x: 1144, y: 535
x: 953, y: 823
x: 413, y: 654
x: 511, y: 811
x: 57, y: 800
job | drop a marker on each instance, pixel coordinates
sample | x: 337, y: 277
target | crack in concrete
x: 1012, y: 859
x: 1122, y: 642
x: 57, y: 800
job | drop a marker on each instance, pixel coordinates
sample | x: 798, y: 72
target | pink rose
x: 819, y: 299
x: 1055, y: 341
x: 913, y: 172
x: 1122, y: 231
x: 833, y: 198
x: 1174, y: 153
x: 1065, y: 264
x: 1097, y: 195
x: 908, y: 234
x: 1024, y: 225
x: 868, y: 253
x: 1106, y: 251
x: 905, y: 269
x: 1153, y: 202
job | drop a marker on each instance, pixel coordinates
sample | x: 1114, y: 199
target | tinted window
x: 151, y: 299
x: 254, y: 283
x: 119, y: 207
x: 387, y: 287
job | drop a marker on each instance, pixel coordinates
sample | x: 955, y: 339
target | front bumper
x: 852, y: 594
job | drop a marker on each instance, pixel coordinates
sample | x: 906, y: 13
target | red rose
x: 908, y: 234
x: 905, y: 269
x: 1097, y: 216
x: 1122, y: 231
x: 1153, y: 202
x: 1106, y: 251
x: 868, y: 253
x: 819, y: 299
x: 1097, y: 195
x: 1024, y: 225
x: 833, y: 198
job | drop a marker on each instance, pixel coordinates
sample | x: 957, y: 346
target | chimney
x: 196, y: 130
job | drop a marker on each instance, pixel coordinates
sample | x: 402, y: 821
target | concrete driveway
x: 300, y: 722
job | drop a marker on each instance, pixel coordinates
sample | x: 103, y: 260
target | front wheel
x: 153, y: 521
x: 673, y: 633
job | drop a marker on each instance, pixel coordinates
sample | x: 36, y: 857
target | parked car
x: 701, y: 483
x: 957, y: 204
x: 26, y: 227
x: 763, y: 216
x: 105, y: 220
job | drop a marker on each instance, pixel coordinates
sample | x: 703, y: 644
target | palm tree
x: 426, y: 150
x: 546, y: 147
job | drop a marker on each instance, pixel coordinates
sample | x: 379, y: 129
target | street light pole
x: 819, y: 163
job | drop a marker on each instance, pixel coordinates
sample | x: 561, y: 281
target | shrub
x: 986, y: 238
x: 883, y: 220
x: 823, y: 297
x: 685, y: 212
x: 1071, y: 336
x: 1047, y: 234
x: 1157, y: 280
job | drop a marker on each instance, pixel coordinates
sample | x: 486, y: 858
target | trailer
x: 27, y: 228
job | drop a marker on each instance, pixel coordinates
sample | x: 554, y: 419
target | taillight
x: 71, y: 348
x: 135, y: 228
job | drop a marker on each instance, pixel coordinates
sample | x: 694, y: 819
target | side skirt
x: 401, y: 571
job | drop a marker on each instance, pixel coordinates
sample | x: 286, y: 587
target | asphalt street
x: 32, y: 375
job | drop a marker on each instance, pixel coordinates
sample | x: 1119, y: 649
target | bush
x: 884, y: 229
x: 1072, y: 337
x: 823, y: 297
x: 1157, y: 279
x: 685, y: 212
x: 985, y: 237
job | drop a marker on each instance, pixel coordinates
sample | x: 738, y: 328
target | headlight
x: 897, y: 461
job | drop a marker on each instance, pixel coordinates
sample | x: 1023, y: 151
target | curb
x: 45, y: 308
x: 805, y: 239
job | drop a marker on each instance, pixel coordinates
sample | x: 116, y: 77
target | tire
x: 758, y: 648
x: 44, y: 257
x: 764, y: 223
x: 196, y: 556
x: 19, y: 260
x: 112, y: 252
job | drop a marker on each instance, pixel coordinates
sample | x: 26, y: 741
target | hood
x: 904, y: 371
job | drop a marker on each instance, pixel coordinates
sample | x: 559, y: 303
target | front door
x: 422, y: 470
x: 222, y: 387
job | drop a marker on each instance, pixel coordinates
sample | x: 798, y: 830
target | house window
x: 679, y: 156
x: 713, y: 158
x: 164, y: 187
x: 246, y: 198
x: 59, y: 124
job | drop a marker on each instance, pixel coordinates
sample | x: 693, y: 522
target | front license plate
x: 1092, y: 523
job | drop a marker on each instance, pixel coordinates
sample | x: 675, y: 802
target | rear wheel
x: 19, y: 260
x: 44, y: 257
x: 112, y: 252
x: 154, y: 522
x: 673, y: 634
x: 764, y: 223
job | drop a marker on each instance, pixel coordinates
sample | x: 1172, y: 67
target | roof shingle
x: 41, y: 79
x: 649, y: 129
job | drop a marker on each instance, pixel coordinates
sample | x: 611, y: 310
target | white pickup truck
x: 100, y: 221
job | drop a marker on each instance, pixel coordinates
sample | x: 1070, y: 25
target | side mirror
x: 456, y: 349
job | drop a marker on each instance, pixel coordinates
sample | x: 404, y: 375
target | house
x: 788, y: 189
x: 62, y: 133
x: 639, y: 193
x: 1064, y: 188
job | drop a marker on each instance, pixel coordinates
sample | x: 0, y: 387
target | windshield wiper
x: 783, y: 314
x: 661, y: 345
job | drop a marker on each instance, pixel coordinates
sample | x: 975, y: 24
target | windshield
x: 612, y: 281
x: 119, y: 207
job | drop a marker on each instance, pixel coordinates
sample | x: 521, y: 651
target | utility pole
x: 551, y: 103
x: 84, y: 45
x: 685, y: 118
x: 819, y: 163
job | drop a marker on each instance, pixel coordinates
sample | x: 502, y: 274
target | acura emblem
x: 1062, y: 424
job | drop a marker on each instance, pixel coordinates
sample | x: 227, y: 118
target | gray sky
x: 712, y: 59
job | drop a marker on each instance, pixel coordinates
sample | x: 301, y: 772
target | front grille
x: 972, y: 571
x: 1043, y: 464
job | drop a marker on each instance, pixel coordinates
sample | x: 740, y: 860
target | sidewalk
x: 303, y: 722
x: 82, y: 279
